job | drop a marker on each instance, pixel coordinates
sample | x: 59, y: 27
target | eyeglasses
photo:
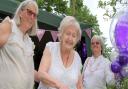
x: 97, y: 43
x: 31, y: 13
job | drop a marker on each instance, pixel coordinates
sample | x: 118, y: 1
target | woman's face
x: 28, y: 15
x: 69, y: 37
x: 96, y: 46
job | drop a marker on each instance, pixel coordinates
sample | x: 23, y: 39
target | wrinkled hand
x: 63, y: 86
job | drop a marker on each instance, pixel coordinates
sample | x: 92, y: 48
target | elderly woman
x: 60, y: 65
x: 96, y: 71
x: 16, y: 47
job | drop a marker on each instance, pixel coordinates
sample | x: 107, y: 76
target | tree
x: 82, y: 13
x: 56, y: 6
x: 107, y: 50
x: 111, y: 6
x: 73, y: 6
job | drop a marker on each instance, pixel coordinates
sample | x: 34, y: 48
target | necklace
x: 91, y: 63
x: 66, y: 60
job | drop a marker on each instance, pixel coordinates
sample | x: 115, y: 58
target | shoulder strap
x: 8, y: 21
x: 5, y: 30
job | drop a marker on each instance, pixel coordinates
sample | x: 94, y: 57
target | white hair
x: 99, y: 39
x: 17, y: 19
x: 69, y: 21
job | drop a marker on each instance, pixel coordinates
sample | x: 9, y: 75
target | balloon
x: 121, y: 35
x: 115, y: 67
x: 124, y: 71
x: 119, y: 38
x: 123, y: 60
x: 112, y: 29
x: 119, y: 31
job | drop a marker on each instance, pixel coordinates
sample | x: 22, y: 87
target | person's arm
x: 36, y: 76
x: 110, y: 78
x: 80, y: 80
x: 5, y: 30
x: 83, y: 70
x: 85, y: 65
x: 80, y: 83
x: 43, y: 75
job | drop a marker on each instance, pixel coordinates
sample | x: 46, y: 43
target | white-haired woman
x: 96, y: 71
x: 16, y: 47
x: 60, y: 66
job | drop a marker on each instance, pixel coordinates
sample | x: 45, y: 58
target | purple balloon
x: 115, y: 67
x: 123, y: 60
x: 121, y: 34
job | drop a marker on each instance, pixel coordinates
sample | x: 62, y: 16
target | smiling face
x: 96, y: 46
x: 69, y: 37
x: 28, y: 15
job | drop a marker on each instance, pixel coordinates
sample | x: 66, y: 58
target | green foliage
x: 56, y: 6
x: 111, y: 87
x: 64, y: 7
x: 123, y: 84
x: 107, y: 51
x: 110, y: 6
